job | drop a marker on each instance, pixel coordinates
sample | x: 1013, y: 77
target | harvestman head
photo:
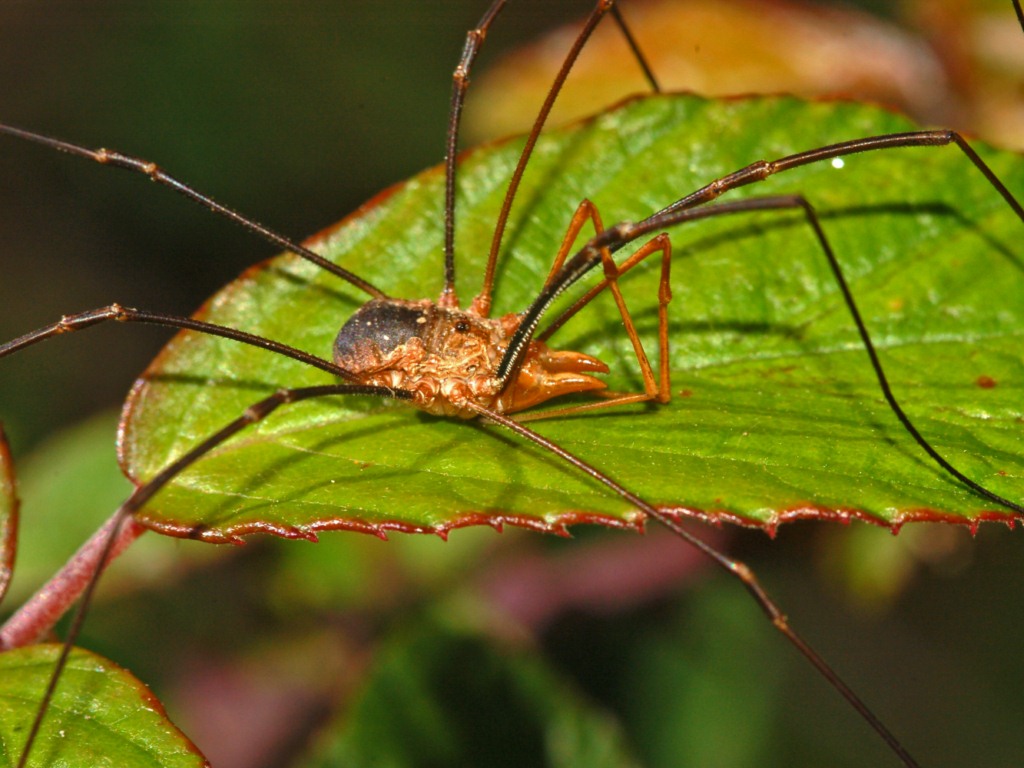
x: 463, y: 363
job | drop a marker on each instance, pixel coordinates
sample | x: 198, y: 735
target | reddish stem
x: 36, y: 618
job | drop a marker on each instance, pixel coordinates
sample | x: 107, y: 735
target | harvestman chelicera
x: 466, y: 364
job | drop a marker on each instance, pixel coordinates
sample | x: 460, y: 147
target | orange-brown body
x: 448, y: 357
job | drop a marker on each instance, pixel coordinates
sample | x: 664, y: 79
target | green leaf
x: 442, y: 696
x: 100, y: 714
x: 775, y: 412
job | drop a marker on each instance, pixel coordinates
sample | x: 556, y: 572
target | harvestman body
x: 463, y: 363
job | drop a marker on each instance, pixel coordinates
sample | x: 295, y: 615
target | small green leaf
x: 100, y: 715
x: 775, y: 412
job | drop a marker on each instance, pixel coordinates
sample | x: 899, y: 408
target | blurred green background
x: 296, y: 112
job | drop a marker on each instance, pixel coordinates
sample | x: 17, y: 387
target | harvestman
x: 463, y: 363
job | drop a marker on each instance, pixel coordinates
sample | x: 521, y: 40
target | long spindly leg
x: 736, y: 568
x: 460, y: 82
x: 36, y: 616
x: 612, y: 272
x: 655, y: 387
x: 118, y: 313
x: 762, y: 169
x: 154, y: 172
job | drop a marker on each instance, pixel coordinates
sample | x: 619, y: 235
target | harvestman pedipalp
x: 514, y: 345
